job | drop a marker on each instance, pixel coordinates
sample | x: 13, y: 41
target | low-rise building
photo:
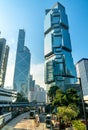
x: 7, y: 95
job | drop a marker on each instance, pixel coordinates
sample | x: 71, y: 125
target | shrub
x: 78, y: 125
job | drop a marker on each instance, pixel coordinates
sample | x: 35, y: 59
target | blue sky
x: 29, y: 15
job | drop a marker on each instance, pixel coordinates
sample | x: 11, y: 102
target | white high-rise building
x: 82, y: 72
x: 4, y: 52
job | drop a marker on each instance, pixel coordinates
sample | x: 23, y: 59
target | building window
x: 55, y: 19
x: 56, y: 40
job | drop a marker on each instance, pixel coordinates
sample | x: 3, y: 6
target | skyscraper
x: 59, y: 66
x: 4, y: 52
x: 22, y: 66
x: 82, y: 72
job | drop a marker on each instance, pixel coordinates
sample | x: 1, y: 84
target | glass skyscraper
x: 59, y: 66
x: 22, y: 66
x: 4, y: 52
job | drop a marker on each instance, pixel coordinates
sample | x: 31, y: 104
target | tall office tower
x: 59, y: 66
x: 82, y: 72
x: 4, y: 52
x: 22, y: 66
x: 31, y: 83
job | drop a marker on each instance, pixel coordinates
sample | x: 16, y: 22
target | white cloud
x: 38, y: 73
x: 36, y: 70
x: 9, y: 76
x: 11, y: 42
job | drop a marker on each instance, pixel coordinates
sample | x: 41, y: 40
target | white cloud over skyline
x: 36, y: 70
x: 9, y: 76
x: 38, y: 73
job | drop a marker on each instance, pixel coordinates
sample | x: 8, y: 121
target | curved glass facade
x: 22, y: 66
x: 57, y: 48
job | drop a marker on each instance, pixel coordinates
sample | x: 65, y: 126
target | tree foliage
x: 72, y: 96
x: 78, y: 125
x: 21, y: 98
x: 62, y: 98
x: 67, y: 113
x: 52, y: 92
x: 66, y: 103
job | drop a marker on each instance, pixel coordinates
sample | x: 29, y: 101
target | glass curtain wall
x: 57, y: 48
x: 22, y: 66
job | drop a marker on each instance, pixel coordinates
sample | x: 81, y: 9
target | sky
x: 29, y: 15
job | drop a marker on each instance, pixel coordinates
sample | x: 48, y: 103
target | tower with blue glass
x: 22, y: 66
x: 59, y: 66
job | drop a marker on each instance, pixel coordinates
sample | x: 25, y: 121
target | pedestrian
x: 37, y: 120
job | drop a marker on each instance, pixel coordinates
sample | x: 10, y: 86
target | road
x: 22, y: 122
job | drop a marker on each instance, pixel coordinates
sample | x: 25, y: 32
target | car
x: 32, y: 114
x: 48, y: 124
x: 48, y: 117
x: 48, y: 121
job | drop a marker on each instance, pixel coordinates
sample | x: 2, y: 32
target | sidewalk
x: 42, y: 126
x: 22, y: 122
x: 13, y: 122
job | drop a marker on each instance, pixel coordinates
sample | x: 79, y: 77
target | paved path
x: 22, y: 122
x: 26, y: 124
x: 13, y: 122
x: 42, y: 127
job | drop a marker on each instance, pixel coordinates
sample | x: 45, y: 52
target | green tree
x: 72, y: 96
x: 78, y: 125
x: 52, y: 92
x: 67, y: 114
x: 21, y: 98
x: 74, y: 107
x: 60, y: 98
x: 67, y: 104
